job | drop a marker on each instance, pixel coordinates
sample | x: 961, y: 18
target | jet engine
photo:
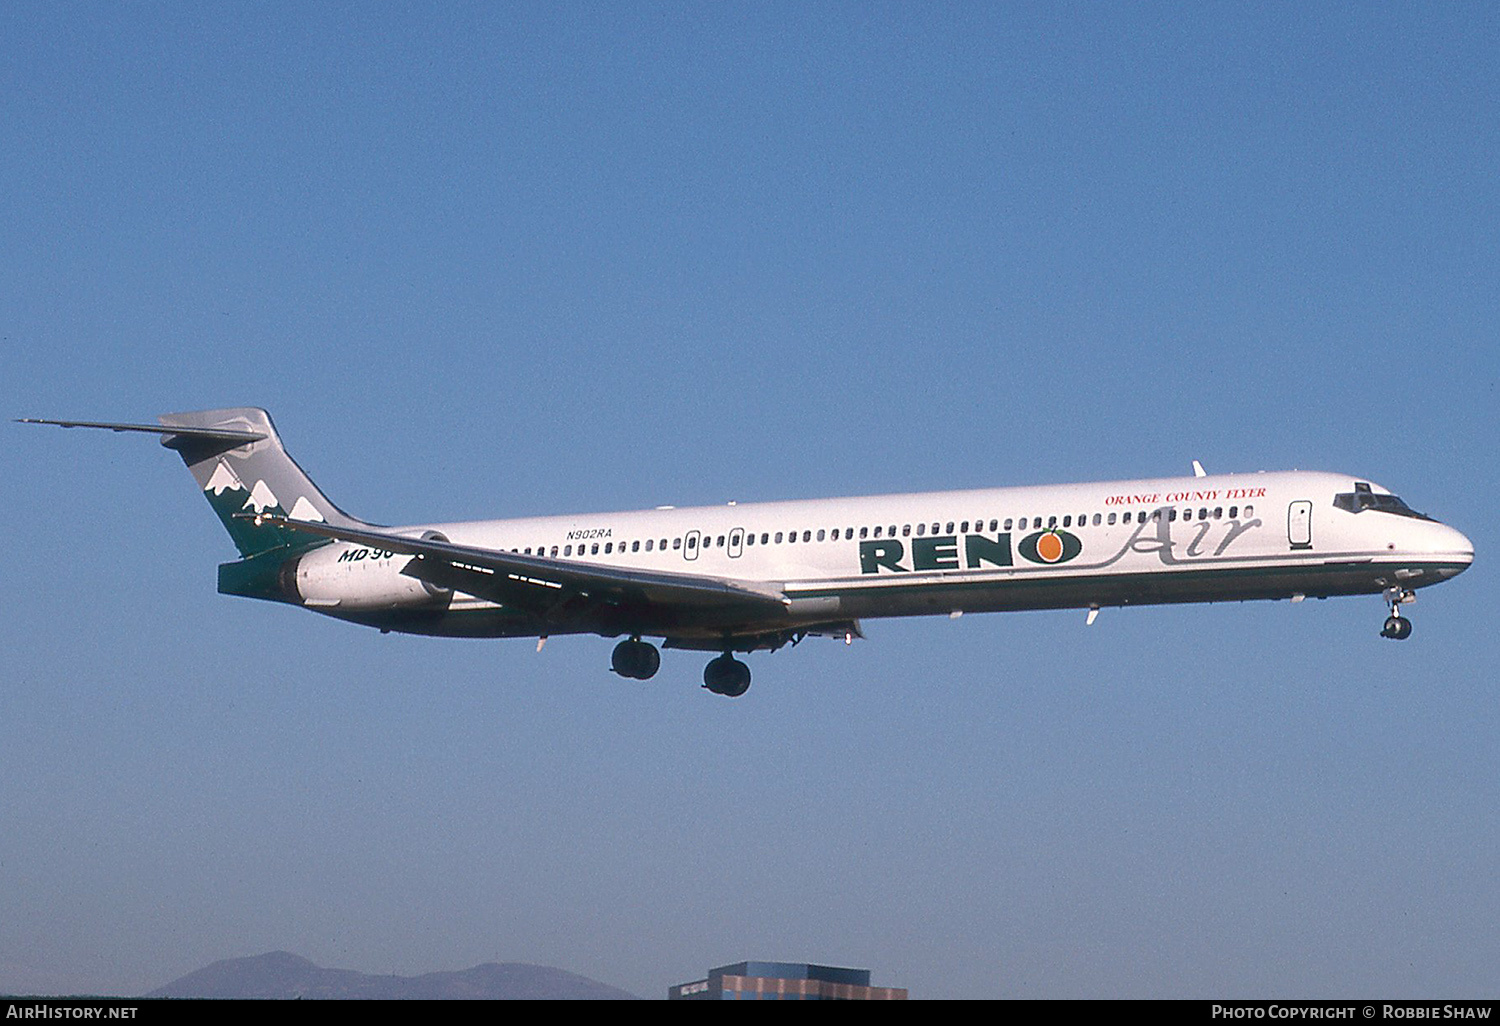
x: 361, y: 578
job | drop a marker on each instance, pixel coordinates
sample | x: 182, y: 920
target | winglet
x: 1198, y: 469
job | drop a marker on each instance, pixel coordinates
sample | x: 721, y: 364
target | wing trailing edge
x: 542, y: 584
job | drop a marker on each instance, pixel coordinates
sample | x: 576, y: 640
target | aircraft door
x: 736, y: 542
x: 690, y: 545
x: 1299, y: 524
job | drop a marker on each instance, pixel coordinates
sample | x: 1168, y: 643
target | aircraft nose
x: 1453, y: 546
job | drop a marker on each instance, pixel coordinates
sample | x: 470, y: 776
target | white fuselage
x: 1224, y: 537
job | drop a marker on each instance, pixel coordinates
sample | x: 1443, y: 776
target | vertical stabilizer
x: 250, y: 477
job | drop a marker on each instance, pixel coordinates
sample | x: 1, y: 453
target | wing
x: 562, y: 589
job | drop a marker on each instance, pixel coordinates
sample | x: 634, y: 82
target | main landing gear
x: 640, y: 660
x: 1397, y: 627
x: 726, y: 675
x: 636, y: 659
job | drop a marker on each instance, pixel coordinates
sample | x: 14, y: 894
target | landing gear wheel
x: 636, y: 659
x: 1397, y: 627
x: 650, y: 661
x: 726, y: 675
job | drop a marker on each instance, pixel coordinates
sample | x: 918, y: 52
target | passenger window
x: 676, y: 544
x: 778, y: 537
x: 1249, y: 512
x: 1234, y: 512
x: 921, y: 530
x: 1068, y: 521
x: 905, y: 530
x: 1051, y: 521
x: 648, y: 544
x: 820, y: 534
x: 964, y: 528
x: 765, y: 538
x: 1111, y: 519
x: 949, y: 529
x: 568, y: 551
x: 864, y: 532
x: 1187, y: 514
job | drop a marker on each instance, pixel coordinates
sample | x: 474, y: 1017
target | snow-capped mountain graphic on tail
x: 275, y: 485
x: 262, y: 499
x: 223, y: 477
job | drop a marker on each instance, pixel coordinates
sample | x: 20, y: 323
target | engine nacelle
x: 360, y: 578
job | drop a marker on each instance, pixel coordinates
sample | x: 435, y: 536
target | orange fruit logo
x: 1049, y: 547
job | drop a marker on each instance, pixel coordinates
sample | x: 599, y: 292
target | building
x: 784, y: 981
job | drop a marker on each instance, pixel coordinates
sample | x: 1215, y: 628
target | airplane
x: 739, y: 578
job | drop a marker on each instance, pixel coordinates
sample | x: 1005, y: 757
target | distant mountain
x: 281, y: 974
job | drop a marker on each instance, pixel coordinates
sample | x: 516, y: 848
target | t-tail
x: 237, y: 459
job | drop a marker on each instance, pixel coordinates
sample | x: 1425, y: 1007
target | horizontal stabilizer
x: 206, y: 434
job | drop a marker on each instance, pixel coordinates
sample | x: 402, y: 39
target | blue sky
x: 485, y: 260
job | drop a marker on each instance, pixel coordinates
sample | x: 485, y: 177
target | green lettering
x: 937, y: 552
x: 979, y: 549
x: 877, y: 555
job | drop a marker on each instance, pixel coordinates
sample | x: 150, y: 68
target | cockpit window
x: 1362, y: 498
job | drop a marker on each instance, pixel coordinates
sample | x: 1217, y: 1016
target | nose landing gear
x: 1397, y: 627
